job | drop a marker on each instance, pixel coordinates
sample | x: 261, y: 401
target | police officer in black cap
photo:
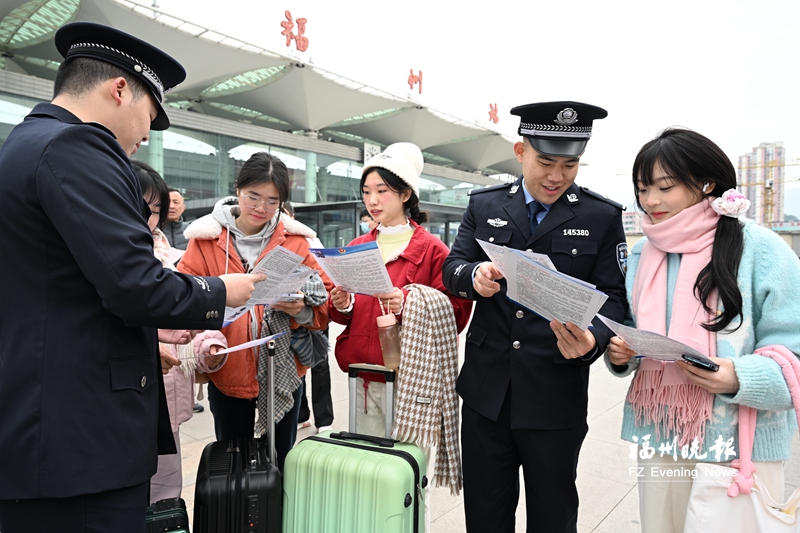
x: 524, y: 380
x: 83, y: 412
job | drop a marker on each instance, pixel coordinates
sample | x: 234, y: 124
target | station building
x: 239, y: 99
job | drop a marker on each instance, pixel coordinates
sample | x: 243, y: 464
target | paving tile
x: 191, y: 450
x: 607, y: 427
x: 624, y: 518
x: 449, y: 522
x: 606, y: 391
x: 598, y: 497
x: 606, y: 461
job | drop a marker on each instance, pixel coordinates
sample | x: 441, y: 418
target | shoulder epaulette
x: 603, y: 198
x: 492, y: 188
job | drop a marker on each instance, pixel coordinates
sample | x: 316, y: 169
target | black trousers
x: 235, y: 418
x: 492, y: 454
x: 321, y: 401
x: 121, y: 510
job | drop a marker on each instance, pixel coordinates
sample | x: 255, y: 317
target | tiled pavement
x: 608, y: 495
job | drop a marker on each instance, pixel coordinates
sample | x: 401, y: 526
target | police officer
x: 524, y: 381
x: 83, y: 410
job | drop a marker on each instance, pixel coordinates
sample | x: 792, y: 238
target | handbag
x: 733, y: 499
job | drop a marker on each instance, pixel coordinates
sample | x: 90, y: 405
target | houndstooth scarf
x: 286, y: 379
x: 426, y: 411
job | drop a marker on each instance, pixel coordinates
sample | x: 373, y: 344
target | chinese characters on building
x: 493, y: 113
x: 415, y: 79
x: 300, y: 41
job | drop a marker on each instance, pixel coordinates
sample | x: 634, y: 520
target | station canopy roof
x: 236, y: 80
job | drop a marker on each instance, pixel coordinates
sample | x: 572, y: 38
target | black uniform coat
x: 80, y: 382
x: 509, y: 345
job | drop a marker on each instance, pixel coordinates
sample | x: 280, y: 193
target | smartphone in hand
x: 705, y: 364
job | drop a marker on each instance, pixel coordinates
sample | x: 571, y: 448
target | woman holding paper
x: 239, y: 232
x: 390, y: 189
x: 723, y: 286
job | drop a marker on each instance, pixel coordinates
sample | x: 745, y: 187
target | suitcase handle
x: 352, y: 371
x: 356, y: 368
x: 344, y: 435
x: 273, y: 457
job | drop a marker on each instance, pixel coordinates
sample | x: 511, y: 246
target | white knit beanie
x: 401, y: 159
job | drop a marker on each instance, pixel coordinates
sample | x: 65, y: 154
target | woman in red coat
x: 390, y: 188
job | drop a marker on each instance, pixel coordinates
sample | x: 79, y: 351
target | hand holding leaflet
x: 356, y: 269
x: 548, y: 293
x: 656, y: 346
x: 279, y: 265
x: 243, y: 346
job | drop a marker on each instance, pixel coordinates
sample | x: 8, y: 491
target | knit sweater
x: 769, y: 280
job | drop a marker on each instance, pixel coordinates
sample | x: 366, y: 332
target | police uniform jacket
x: 509, y: 345
x: 80, y: 382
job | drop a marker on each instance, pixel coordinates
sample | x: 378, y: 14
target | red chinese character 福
x: 413, y: 80
x: 493, y: 113
x: 300, y: 41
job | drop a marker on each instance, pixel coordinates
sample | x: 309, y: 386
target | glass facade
x: 203, y: 165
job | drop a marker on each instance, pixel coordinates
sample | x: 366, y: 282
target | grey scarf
x: 286, y: 379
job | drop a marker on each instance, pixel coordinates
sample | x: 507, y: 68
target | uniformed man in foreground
x: 83, y: 410
x: 524, y: 380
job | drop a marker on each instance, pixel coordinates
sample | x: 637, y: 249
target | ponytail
x: 721, y: 274
x: 412, y: 208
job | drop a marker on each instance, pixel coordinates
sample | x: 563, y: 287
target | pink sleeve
x: 202, y: 343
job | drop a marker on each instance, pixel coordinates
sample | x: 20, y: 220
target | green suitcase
x: 350, y: 483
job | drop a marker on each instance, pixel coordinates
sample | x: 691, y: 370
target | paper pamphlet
x: 243, y: 346
x: 282, y: 278
x: 546, y: 292
x: 357, y: 269
x: 649, y: 344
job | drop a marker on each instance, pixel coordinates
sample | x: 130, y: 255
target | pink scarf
x: 661, y: 394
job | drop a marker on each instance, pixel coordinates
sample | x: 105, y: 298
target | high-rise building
x: 632, y: 222
x: 760, y: 178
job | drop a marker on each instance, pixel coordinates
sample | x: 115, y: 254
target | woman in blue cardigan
x: 725, y: 287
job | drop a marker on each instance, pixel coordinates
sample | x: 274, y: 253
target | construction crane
x: 770, y: 183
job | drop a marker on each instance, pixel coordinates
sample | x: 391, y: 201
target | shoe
x: 304, y: 425
x: 198, y: 407
x: 324, y: 428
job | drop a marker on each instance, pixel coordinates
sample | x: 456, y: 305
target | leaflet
x: 649, y: 344
x: 280, y: 266
x: 243, y: 346
x: 497, y: 253
x: 546, y: 292
x: 357, y: 269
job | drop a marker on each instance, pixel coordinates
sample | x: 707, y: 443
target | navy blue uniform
x: 80, y: 383
x: 515, y: 383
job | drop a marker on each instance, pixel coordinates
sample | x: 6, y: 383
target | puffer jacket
x: 211, y: 252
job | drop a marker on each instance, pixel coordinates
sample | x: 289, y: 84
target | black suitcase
x: 168, y: 516
x: 239, y: 487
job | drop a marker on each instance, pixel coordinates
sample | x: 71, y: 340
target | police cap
x: 558, y: 128
x: 159, y: 72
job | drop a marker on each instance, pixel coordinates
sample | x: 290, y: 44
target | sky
x: 727, y: 69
